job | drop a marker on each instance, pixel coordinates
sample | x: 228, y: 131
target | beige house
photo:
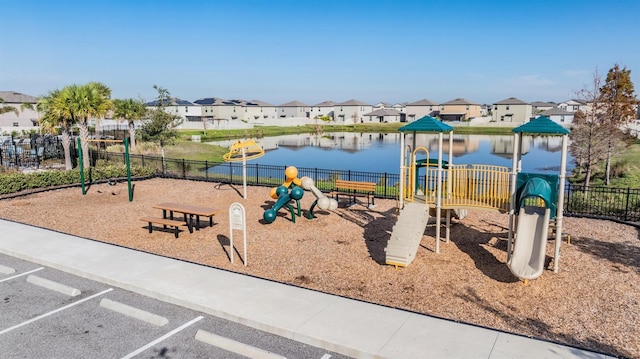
x: 511, y: 110
x: 459, y: 109
x: 419, y: 109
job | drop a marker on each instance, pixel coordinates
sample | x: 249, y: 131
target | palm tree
x: 5, y: 109
x: 130, y: 110
x: 82, y: 103
x: 52, y: 115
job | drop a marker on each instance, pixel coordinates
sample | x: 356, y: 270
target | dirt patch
x: 593, y: 302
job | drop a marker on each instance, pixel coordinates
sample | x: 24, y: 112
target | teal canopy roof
x: 426, y: 124
x: 542, y: 125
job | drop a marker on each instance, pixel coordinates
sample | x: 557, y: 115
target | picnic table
x: 189, y: 212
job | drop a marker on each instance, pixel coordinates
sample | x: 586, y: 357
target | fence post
x: 626, y: 206
x: 384, y: 192
x: 184, y: 169
x: 206, y: 169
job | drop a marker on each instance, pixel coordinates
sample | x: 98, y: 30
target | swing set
x: 127, y: 162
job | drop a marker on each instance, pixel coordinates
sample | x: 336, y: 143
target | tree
x: 52, y: 115
x: 160, y: 126
x: 129, y: 110
x: 618, y: 106
x: 587, y: 138
x: 80, y: 103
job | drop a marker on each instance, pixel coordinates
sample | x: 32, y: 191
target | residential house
x: 560, y: 116
x: 574, y: 105
x: 380, y: 106
x: 386, y: 115
x: 512, y: 110
x: 268, y: 112
x: 293, y: 109
x: 350, y: 111
x: 400, y: 107
x: 210, y: 107
x: 421, y: 108
x: 25, y: 120
x: 322, y: 109
x: 538, y: 107
x: 185, y: 110
x: 459, y: 109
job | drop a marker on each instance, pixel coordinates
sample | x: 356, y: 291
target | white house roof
x: 352, y: 103
x: 17, y: 97
x: 423, y: 102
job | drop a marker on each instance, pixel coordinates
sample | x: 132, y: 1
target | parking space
x: 49, y: 313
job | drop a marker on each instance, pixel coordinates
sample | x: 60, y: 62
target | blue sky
x: 313, y: 51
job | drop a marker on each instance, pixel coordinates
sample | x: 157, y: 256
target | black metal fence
x: 32, y: 151
x: 622, y: 204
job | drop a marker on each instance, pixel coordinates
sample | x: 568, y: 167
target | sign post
x: 237, y: 220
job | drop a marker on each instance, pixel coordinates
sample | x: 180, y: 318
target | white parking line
x: 21, y: 274
x: 171, y: 333
x: 54, y: 311
x: 326, y: 356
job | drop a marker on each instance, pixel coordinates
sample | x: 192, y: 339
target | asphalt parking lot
x: 47, y: 313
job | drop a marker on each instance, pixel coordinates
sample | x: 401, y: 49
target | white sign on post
x: 237, y: 220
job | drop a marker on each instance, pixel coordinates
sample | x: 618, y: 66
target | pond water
x: 380, y: 152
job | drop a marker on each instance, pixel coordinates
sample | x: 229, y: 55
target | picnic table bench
x: 353, y: 189
x: 165, y: 222
x: 189, y: 212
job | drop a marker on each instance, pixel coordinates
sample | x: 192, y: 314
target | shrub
x: 17, y: 181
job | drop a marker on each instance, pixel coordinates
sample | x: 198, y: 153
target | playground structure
x: 243, y: 151
x: 293, y: 189
x: 127, y: 163
x: 532, y: 200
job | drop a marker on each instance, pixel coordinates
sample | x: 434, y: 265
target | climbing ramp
x: 407, y: 234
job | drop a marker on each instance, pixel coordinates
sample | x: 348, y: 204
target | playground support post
x: 439, y: 193
x: 127, y: 163
x: 560, y: 206
x: 402, y: 173
x: 512, y: 201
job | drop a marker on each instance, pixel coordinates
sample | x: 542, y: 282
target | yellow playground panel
x: 473, y: 186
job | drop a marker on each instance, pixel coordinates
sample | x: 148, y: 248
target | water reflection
x: 380, y: 152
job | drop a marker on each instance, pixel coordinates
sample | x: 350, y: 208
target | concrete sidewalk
x: 338, y: 324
